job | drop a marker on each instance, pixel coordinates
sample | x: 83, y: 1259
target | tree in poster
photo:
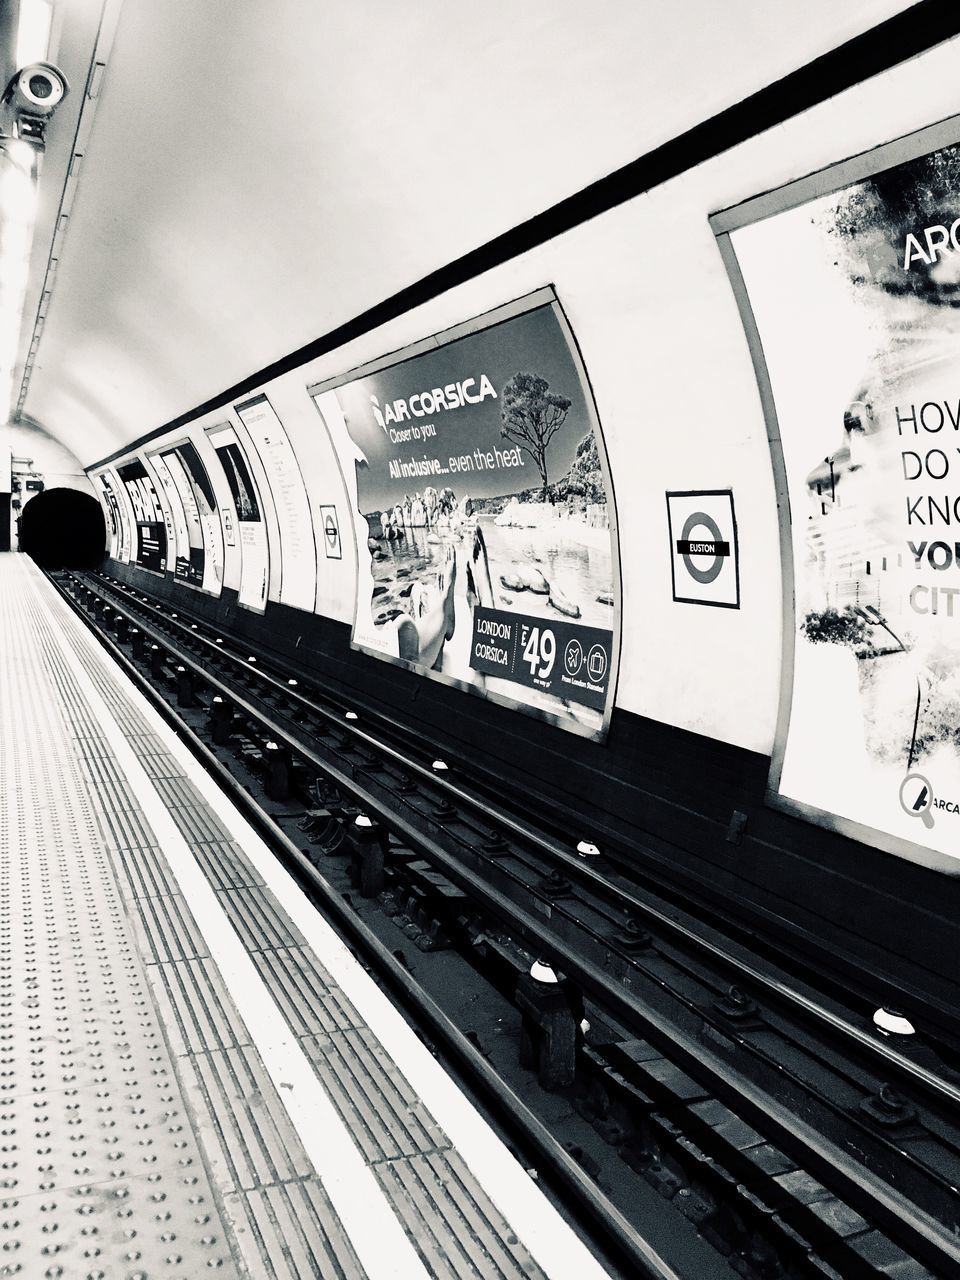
x: 530, y: 416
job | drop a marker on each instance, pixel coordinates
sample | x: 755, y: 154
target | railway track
x: 774, y: 1114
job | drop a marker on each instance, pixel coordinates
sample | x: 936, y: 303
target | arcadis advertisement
x: 151, y: 548
x: 485, y: 535
x: 856, y: 301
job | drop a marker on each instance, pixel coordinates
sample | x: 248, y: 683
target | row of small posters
x: 165, y: 515
x: 483, y: 514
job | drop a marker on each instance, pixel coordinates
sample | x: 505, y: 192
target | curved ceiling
x: 257, y: 175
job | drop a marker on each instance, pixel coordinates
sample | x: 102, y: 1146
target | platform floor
x: 196, y: 1076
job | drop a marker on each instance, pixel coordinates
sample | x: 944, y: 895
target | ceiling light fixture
x: 33, y: 31
x: 18, y: 209
x: 18, y: 202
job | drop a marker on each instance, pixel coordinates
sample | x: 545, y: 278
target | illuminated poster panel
x: 485, y: 537
x: 850, y: 285
x: 298, y: 548
x: 128, y: 527
x: 202, y: 516
x: 116, y: 520
x: 179, y: 541
x: 248, y: 513
x: 151, y: 545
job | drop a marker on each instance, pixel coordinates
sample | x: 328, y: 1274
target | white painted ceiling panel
x: 260, y: 173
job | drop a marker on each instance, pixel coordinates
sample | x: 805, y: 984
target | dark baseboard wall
x: 666, y: 795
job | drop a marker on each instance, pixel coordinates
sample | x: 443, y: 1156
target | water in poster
x: 856, y: 299
x: 484, y: 535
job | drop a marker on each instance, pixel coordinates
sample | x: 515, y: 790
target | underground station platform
x: 196, y: 1075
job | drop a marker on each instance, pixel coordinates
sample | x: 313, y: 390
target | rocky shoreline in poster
x: 485, y: 520
x: 871, y: 453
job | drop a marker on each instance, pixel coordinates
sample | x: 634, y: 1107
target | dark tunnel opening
x: 63, y: 529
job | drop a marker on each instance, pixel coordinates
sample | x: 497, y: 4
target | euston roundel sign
x: 703, y: 547
x: 714, y: 546
x: 331, y: 532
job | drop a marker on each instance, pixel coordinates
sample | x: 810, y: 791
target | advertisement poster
x: 201, y: 514
x: 856, y: 299
x: 119, y: 534
x: 485, y: 539
x: 178, y: 544
x: 298, y: 548
x: 151, y: 548
x: 254, y: 548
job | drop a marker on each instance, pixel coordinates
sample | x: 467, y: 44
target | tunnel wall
x: 50, y: 460
x: 648, y: 298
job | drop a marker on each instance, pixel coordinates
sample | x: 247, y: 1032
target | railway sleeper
x: 427, y: 908
x: 326, y: 833
x: 496, y: 956
x: 739, y: 1188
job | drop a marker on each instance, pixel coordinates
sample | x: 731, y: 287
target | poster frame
x: 209, y: 430
x: 546, y: 295
x: 248, y: 402
x: 135, y: 544
x: 330, y: 506
x: 170, y: 446
x: 151, y: 458
x: 704, y: 493
x: 826, y: 181
x: 121, y: 513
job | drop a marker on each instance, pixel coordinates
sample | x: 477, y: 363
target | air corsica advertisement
x: 857, y: 302
x: 486, y: 551
x: 151, y: 548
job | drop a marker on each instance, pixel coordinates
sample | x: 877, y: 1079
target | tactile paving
x: 256, y: 1142
x: 457, y: 1232
x: 197, y: 1011
x: 277, y: 1212
x: 281, y: 1220
x: 262, y: 926
x: 224, y: 865
x: 101, y: 1172
x: 384, y: 1114
x: 311, y: 1001
x: 264, y: 1182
